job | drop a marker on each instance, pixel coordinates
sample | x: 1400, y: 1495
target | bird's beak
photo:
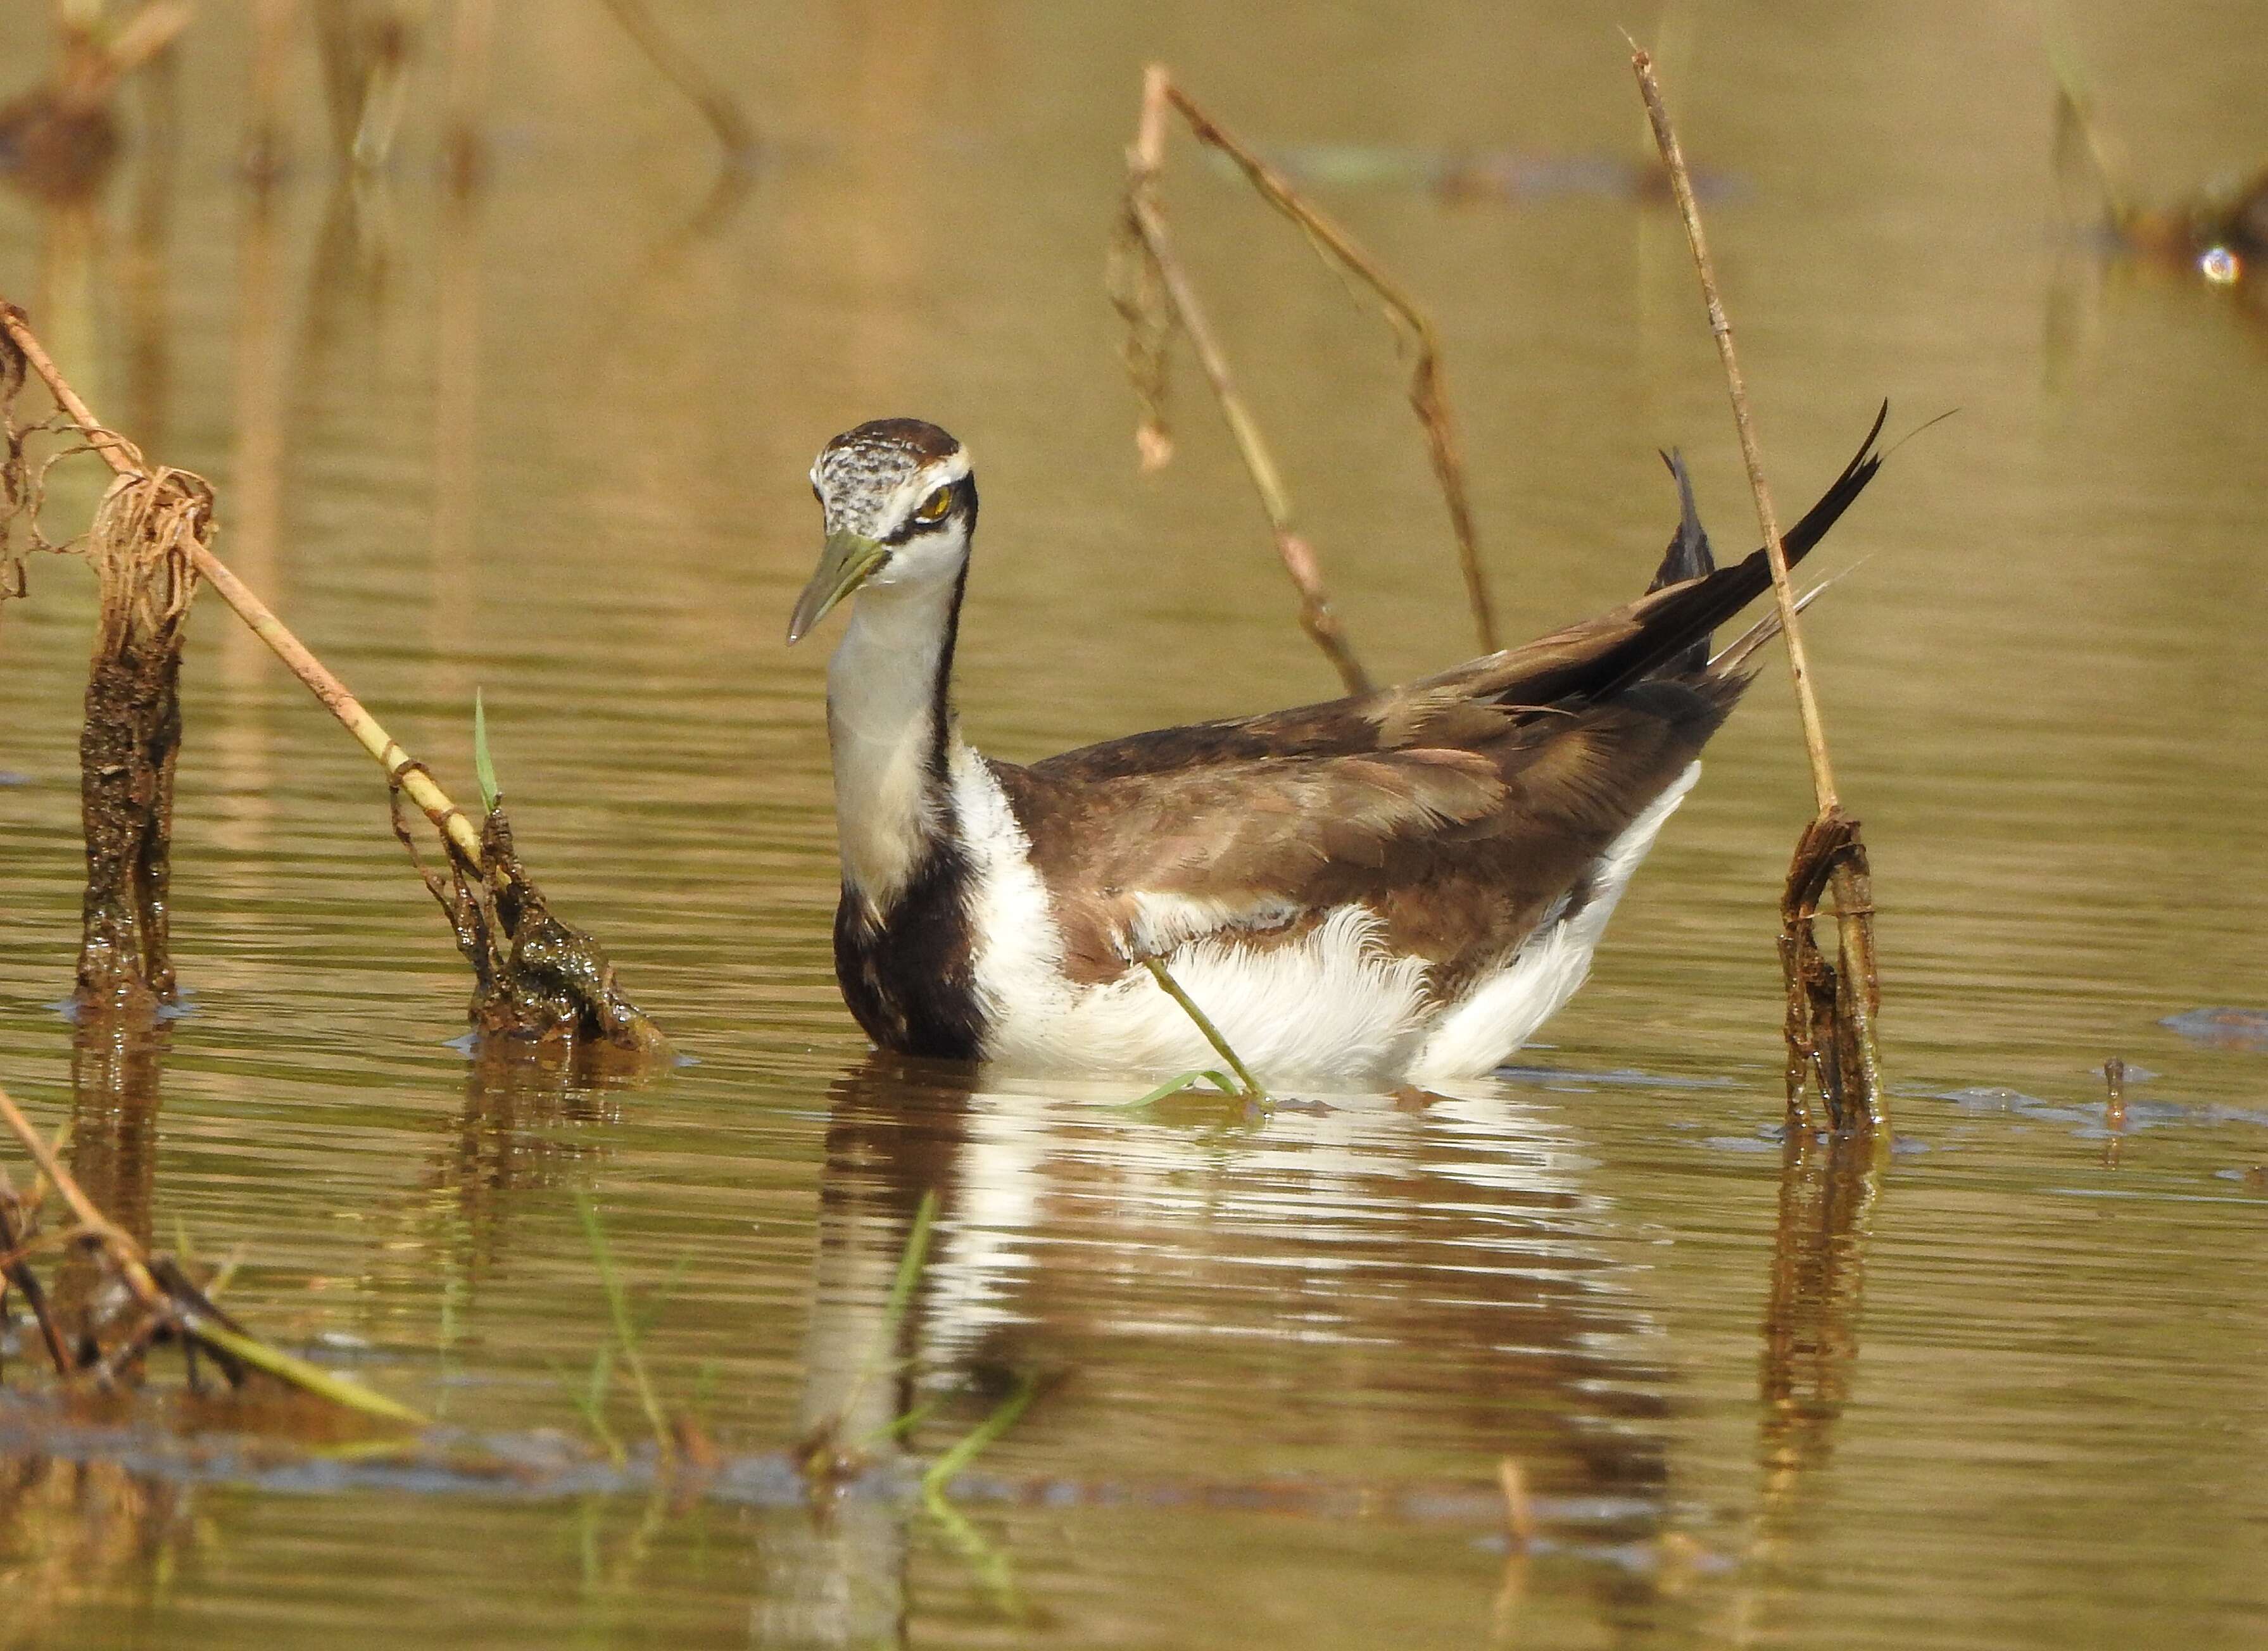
x: 842, y: 568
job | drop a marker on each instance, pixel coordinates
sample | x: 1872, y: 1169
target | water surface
x: 549, y: 442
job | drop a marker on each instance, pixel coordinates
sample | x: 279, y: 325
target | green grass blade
x: 626, y: 1329
x: 980, y: 1438
x: 1173, y: 989
x: 491, y: 793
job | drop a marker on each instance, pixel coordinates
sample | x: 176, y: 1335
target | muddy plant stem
x: 18, y: 1273
x: 367, y: 731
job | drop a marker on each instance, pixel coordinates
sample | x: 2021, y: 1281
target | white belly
x: 1333, y: 1005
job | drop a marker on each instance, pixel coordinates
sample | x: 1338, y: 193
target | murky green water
x: 550, y: 444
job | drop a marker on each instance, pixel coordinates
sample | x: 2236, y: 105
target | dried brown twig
x: 17, y: 1272
x: 1155, y: 294
x: 1848, y: 1071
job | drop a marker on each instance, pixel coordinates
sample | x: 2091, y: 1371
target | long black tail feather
x: 1690, y: 611
x: 1688, y: 557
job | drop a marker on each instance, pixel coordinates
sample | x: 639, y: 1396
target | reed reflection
x: 518, y: 1133
x: 117, y: 1070
x: 1827, y: 1192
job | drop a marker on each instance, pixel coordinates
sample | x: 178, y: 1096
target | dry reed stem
x: 1160, y: 272
x: 1856, y: 999
x: 115, y: 1241
x: 1428, y: 399
x: 368, y: 732
x: 1721, y: 328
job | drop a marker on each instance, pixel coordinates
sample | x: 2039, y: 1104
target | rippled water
x: 550, y: 444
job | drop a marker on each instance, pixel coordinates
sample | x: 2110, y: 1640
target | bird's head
x: 900, y: 504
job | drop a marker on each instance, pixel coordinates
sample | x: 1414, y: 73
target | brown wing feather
x: 1459, y: 853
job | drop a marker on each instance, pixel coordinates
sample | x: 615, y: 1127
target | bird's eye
x: 934, y: 507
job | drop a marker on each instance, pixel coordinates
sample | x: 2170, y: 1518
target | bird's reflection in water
x: 1359, y: 1309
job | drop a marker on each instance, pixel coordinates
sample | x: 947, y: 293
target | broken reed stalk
x: 1850, y: 1085
x: 534, y: 975
x: 1160, y: 273
x: 1145, y: 271
x: 367, y: 732
x: 165, y: 1292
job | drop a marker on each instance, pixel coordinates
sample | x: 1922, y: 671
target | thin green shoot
x: 626, y: 1328
x: 705, y: 1387
x: 365, y: 1450
x: 217, y: 1285
x: 1173, y: 989
x: 657, y: 1297
x: 590, y: 1402
x: 910, y: 1266
x: 941, y: 1471
x: 989, y: 1564
x: 1220, y: 1081
x: 185, y: 1251
x: 898, y: 1426
x: 484, y: 770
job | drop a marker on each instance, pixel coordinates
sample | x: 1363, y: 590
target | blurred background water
x: 546, y: 437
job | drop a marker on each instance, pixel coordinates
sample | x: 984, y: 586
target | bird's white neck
x: 891, y: 727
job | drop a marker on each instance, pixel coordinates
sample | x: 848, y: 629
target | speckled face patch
x: 862, y: 474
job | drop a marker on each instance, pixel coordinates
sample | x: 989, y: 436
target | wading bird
x: 1399, y: 885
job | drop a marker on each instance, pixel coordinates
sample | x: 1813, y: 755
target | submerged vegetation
x: 103, y: 1350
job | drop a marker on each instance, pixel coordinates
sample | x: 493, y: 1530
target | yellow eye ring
x: 935, y: 507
